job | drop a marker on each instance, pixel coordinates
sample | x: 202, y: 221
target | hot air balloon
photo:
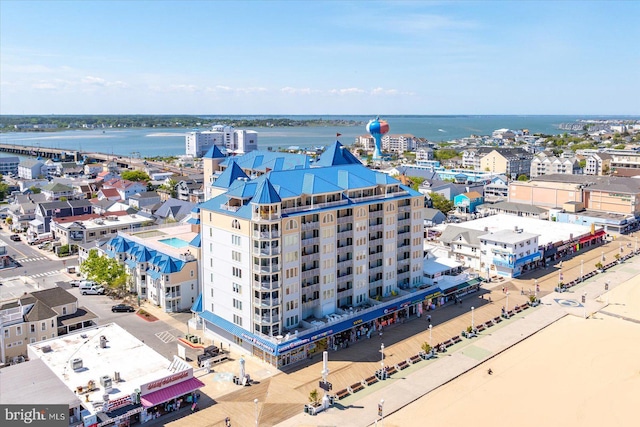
x: 377, y: 128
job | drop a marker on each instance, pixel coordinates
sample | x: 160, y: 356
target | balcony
x: 314, y: 206
x: 270, y: 251
x: 266, y: 234
x: 309, y: 225
x: 309, y: 240
x: 274, y: 268
x: 269, y: 319
x: 266, y: 285
x: 376, y: 227
x: 230, y: 208
x: 266, y: 302
x: 172, y: 295
x: 311, y: 272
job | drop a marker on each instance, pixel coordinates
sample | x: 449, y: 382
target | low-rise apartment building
x: 87, y: 228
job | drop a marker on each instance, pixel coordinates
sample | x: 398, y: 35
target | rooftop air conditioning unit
x: 106, y: 382
x: 76, y: 364
x: 46, y: 349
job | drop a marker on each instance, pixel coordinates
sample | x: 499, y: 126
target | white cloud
x: 347, y: 91
x: 299, y: 91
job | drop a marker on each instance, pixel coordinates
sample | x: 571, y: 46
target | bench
x: 488, y: 323
x: 481, y: 327
x: 510, y: 313
x: 402, y: 365
x: 524, y: 306
x: 517, y: 309
x: 456, y: 339
x: 415, y: 359
x: 391, y: 370
x: 354, y: 388
x: 497, y: 320
x: 342, y: 394
x: 371, y: 380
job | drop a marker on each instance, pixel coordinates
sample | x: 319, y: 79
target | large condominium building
x: 293, y: 257
x: 543, y: 164
x: 394, y: 143
x: 509, y: 161
x: 233, y: 141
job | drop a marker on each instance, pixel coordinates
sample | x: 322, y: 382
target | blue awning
x: 197, y: 305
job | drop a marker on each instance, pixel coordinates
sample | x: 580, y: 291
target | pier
x: 62, y: 154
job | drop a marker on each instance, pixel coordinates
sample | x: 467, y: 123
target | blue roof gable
x: 336, y: 154
x: 229, y: 176
x: 195, y: 242
x: 266, y: 194
x: 312, y: 183
x: 214, y: 153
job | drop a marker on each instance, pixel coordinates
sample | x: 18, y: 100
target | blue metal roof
x: 197, y: 305
x: 141, y: 253
x: 266, y: 194
x: 336, y: 154
x: 238, y: 331
x: 229, y: 176
x: 195, y: 242
x: 214, y: 153
x: 261, y: 160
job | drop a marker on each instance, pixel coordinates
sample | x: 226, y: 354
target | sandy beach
x: 576, y: 372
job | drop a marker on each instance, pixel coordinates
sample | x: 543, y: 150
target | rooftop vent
x: 46, y: 349
x: 76, y: 364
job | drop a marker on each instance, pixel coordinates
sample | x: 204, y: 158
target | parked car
x: 44, y: 245
x: 75, y: 283
x: 15, y: 237
x: 93, y: 290
x: 122, y: 308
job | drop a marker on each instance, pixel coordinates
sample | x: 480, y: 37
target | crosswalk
x: 34, y: 259
x: 166, y: 337
x: 33, y: 276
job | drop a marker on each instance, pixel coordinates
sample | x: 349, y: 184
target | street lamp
x: 382, y: 357
x: 381, y: 412
x: 535, y: 286
x: 430, y: 327
x: 507, y: 306
x: 581, y: 269
x: 472, y: 328
x: 255, y: 401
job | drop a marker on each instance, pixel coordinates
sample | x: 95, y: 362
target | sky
x: 319, y: 57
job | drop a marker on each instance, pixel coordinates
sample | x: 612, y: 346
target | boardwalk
x: 283, y: 395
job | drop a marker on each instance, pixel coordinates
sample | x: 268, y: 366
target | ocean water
x: 165, y: 142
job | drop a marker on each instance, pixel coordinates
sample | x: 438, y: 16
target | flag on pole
x: 338, y: 134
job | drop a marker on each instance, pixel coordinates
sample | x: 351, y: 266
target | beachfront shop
x: 168, y: 394
x: 339, y: 332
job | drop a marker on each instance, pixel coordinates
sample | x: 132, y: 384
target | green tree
x: 441, y: 203
x: 582, y: 163
x: 522, y: 177
x: 103, y: 269
x: 35, y: 190
x: 445, y: 154
x: 170, y: 187
x: 135, y: 176
x: 415, y: 182
x: 4, y: 190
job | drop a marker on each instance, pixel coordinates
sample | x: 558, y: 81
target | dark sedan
x: 122, y: 308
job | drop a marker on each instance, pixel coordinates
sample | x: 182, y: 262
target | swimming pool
x: 175, y: 242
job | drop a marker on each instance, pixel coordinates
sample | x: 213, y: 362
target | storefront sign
x: 357, y: 322
x: 322, y: 335
x: 390, y: 310
x: 256, y: 342
x: 118, y: 403
x: 166, y: 382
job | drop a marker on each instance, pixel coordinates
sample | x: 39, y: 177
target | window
x: 192, y: 273
x: 64, y: 310
x: 291, y: 225
x: 192, y: 286
x: 43, y: 326
x: 238, y: 321
x: 6, y: 333
x: 236, y: 272
x: 235, y: 240
x: 33, y: 329
x: 235, y: 224
x: 236, y: 256
x: 237, y: 288
x: 237, y: 304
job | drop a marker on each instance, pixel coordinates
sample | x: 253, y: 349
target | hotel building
x: 296, y: 253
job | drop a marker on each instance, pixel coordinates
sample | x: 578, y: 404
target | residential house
x: 30, y: 169
x: 186, y: 187
x: 141, y: 200
x: 424, y: 153
x: 125, y: 187
x: 56, y: 191
x: 466, y: 203
x: 38, y: 316
x: 106, y: 176
x: 93, y: 169
x: 173, y: 210
x: 69, y: 169
x: 463, y: 245
x: 496, y: 190
x: 110, y: 194
x: 46, y: 211
x: 23, y: 210
x: 433, y: 217
x: 85, y: 190
x: 598, y: 164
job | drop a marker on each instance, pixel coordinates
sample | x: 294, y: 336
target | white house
x: 508, y: 252
x: 30, y: 169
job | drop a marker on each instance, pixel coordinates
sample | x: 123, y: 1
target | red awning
x: 171, y: 392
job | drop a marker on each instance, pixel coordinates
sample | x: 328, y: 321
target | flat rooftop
x: 164, y: 239
x: 549, y: 231
x: 135, y: 362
